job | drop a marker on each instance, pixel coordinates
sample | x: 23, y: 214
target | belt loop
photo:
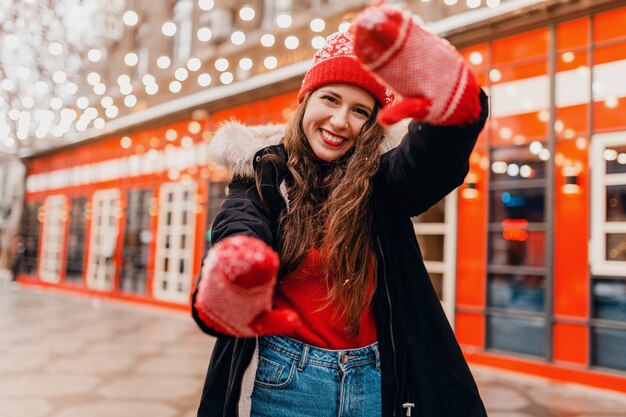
x: 375, y: 349
x: 304, y: 357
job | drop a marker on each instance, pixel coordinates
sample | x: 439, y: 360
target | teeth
x: 331, y: 138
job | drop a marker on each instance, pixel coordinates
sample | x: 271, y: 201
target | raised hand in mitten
x: 435, y: 85
x: 236, y: 289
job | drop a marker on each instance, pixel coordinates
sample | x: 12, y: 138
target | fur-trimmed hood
x: 234, y: 144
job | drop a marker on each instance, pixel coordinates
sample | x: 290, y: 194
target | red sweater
x: 304, y: 291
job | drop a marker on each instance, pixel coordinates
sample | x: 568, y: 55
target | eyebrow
x: 334, y: 94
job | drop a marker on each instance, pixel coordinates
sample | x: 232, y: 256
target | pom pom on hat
x: 335, y: 62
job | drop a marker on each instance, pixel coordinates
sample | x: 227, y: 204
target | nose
x: 339, y: 121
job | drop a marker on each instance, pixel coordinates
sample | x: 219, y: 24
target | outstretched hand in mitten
x: 236, y: 288
x: 430, y: 75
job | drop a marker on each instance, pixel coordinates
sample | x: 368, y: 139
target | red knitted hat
x: 335, y: 62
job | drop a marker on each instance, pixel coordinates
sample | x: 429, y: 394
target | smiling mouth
x: 330, y: 139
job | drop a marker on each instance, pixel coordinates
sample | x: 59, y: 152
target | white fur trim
x: 247, y: 384
x: 234, y: 144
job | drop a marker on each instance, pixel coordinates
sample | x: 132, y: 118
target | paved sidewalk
x: 65, y: 355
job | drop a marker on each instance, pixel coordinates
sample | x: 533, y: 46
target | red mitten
x: 236, y: 288
x: 430, y: 75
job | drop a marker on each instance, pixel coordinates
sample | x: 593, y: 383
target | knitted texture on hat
x: 416, y: 63
x: 335, y: 62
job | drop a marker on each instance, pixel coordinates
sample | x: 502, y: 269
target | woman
x: 353, y: 327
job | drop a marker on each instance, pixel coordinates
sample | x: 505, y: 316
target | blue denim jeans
x: 296, y: 379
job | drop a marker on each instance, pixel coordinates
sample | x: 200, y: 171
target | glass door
x: 52, y: 238
x: 175, y: 241
x: 137, y: 237
x: 103, y: 239
x: 76, y: 241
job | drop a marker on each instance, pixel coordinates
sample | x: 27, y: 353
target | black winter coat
x: 421, y: 360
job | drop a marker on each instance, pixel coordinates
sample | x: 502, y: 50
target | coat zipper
x: 393, y: 343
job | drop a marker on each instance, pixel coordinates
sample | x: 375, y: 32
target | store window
x: 436, y: 234
x: 175, y: 241
x: 517, y: 273
x: 101, y: 265
x: 517, y: 251
x: 608, y: 249
x: 30, y: 238
x: 53, y: 236
x: 137, y: 237
x: 76, y: 241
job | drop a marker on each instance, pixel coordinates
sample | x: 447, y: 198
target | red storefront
x: 528, y: 256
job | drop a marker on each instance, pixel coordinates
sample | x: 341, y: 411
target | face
x: 333, y: 118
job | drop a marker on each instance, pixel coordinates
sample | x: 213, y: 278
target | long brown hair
x: 329, y: 208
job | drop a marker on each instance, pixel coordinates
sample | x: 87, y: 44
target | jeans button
x: 344, y: 358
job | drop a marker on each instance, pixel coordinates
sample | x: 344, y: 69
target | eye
x: 362, y: 112
x: 329, y: 98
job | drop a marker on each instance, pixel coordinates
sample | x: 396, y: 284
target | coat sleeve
x: 429, y: 163
x: 242, y: 212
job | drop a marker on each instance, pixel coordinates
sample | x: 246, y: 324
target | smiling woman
x: 334, y: 117
x: 326, y: 215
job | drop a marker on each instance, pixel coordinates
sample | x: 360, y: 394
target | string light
x: 206, y: 4
x: 246, y: 13
x: 99, y: 123
x: 152, y: 89
x: 221, y: 64
x: 94, y: 55
x: 168, y: 28
x: 284, y: 21
x: 181, y: 74
x: 204, y: 80
x: 317, y: 25
x: 106, y: 101
x: 245, y: 64
x: 130, y: 100
x: 131, y: 59
x: 270, y: 62
x: 99, y: 89
x: 59, y: 77
x: 175, y: 86
x: 55, y: 48
x: 164, y: 62
x: 238, y: 37
x: 93, y: 78
x: 194, y: 64
x: 130, y: 18
x: 317, y: 42
x: 204, y: 34
x: 226, y: 77
x: 126, y: 89
x: 292, y: 42
x: 268, y: 40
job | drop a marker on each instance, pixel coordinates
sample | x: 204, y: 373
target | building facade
x: 528, y: 255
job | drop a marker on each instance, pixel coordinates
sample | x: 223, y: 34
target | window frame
x: 599, y: 226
